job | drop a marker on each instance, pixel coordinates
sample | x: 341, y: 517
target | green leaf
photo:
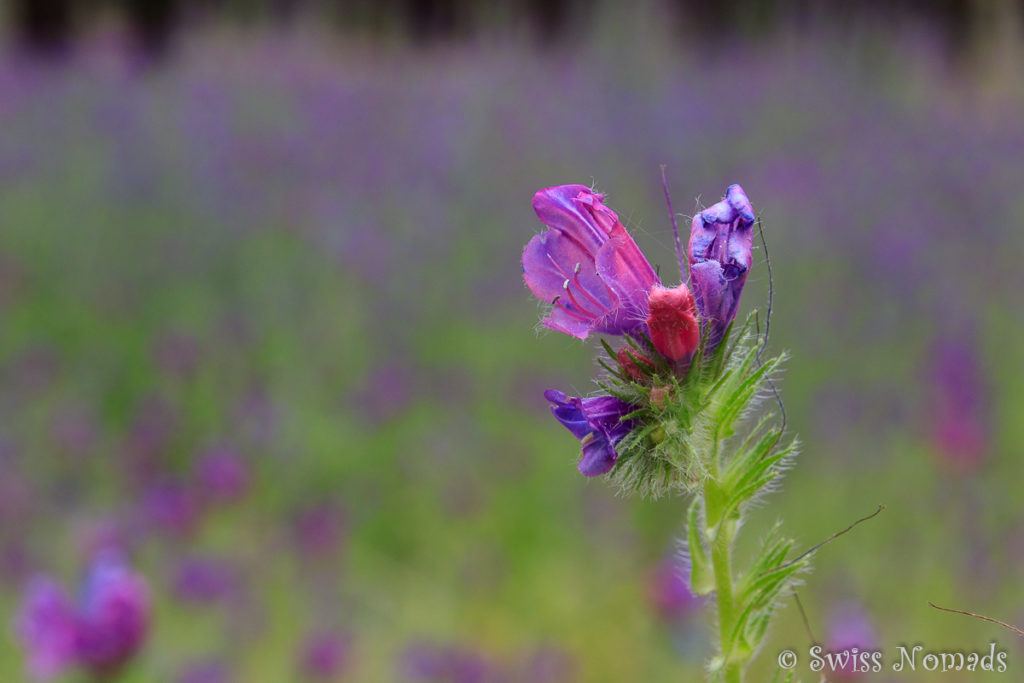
x: 748, y: 458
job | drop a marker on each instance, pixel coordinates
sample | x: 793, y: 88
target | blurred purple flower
x: 177, y: 354
x: 74, y: 429
x: 442, y: 664
x: 586, y: 266
x: 204, y: 580
x: 324, y: 656
x: 849, y: 627
x: 319, y: 530
x: 386, y: 392
x: 668, y: 589
x: 721, y: 242
x: 958, y: 404
x: 597, y: 423
x: 100, y: 632
x: 170, y: 506
x: 222, y: 474
x: 46, y: 626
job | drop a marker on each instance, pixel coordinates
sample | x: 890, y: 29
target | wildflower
x: 99, y: 633
x: 597, y: 423
x: 586, y: 265
x: 721, y: 241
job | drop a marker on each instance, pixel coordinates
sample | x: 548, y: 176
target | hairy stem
x: 721, y: 562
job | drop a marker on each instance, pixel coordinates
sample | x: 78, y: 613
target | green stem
x: 722, y: 564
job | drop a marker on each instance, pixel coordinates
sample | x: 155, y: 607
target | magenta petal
x: 586, y: 265
x: 622, y: 265
x: 569, y: 209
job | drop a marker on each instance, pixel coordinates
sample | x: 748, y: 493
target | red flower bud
x: 632, y: 368
x: 673, y: 322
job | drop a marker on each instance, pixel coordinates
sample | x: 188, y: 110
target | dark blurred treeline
x: 50, y: 26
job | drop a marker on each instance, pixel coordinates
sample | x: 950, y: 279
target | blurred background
x: 263, y: 328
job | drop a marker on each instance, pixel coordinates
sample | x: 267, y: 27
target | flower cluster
x: 591, y: 272
x: 98, y: 633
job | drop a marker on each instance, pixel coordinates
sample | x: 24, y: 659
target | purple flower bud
x: 721, y: 242
x: 673, y: 322
x: 586, y: 266
x: 597, y: 423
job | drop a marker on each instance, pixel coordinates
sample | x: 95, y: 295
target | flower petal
x: 598, y: 457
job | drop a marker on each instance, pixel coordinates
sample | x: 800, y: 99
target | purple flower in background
x: 177, y: 354
x: 100, y: 632
x: 319, y: 530
x: 849, y: 627
x: 597, y: 423
x: 586, y: 266
x: 429, y: 662
x: 204, y: 580
x: 47, y: 628
x: 171, y: 507
x: 324, y: 656
x: 958, y: 404
x: 669, y: 589
x: 222, y: 474
x: 721, y: 242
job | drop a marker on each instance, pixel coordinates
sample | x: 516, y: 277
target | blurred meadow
x: 263, y: 329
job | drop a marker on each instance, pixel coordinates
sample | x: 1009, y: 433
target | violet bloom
x: 958, y: 404
x: 429, y: 662
x: 46, y: 628
x: 99, y: 633
x: 597, y: 423
x: 586, y: 266
x: 849, y: 627
x: 669, y: 590
x: 721, y: 242
x: 203, y: 580
x: 222, y: 474
x: 324, y: 656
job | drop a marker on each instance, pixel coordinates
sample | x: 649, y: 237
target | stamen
x: 576, y: 278
x: 575, y: 314
x: 577, y: 303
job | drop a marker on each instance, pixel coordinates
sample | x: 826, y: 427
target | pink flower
x: 586, y: 265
